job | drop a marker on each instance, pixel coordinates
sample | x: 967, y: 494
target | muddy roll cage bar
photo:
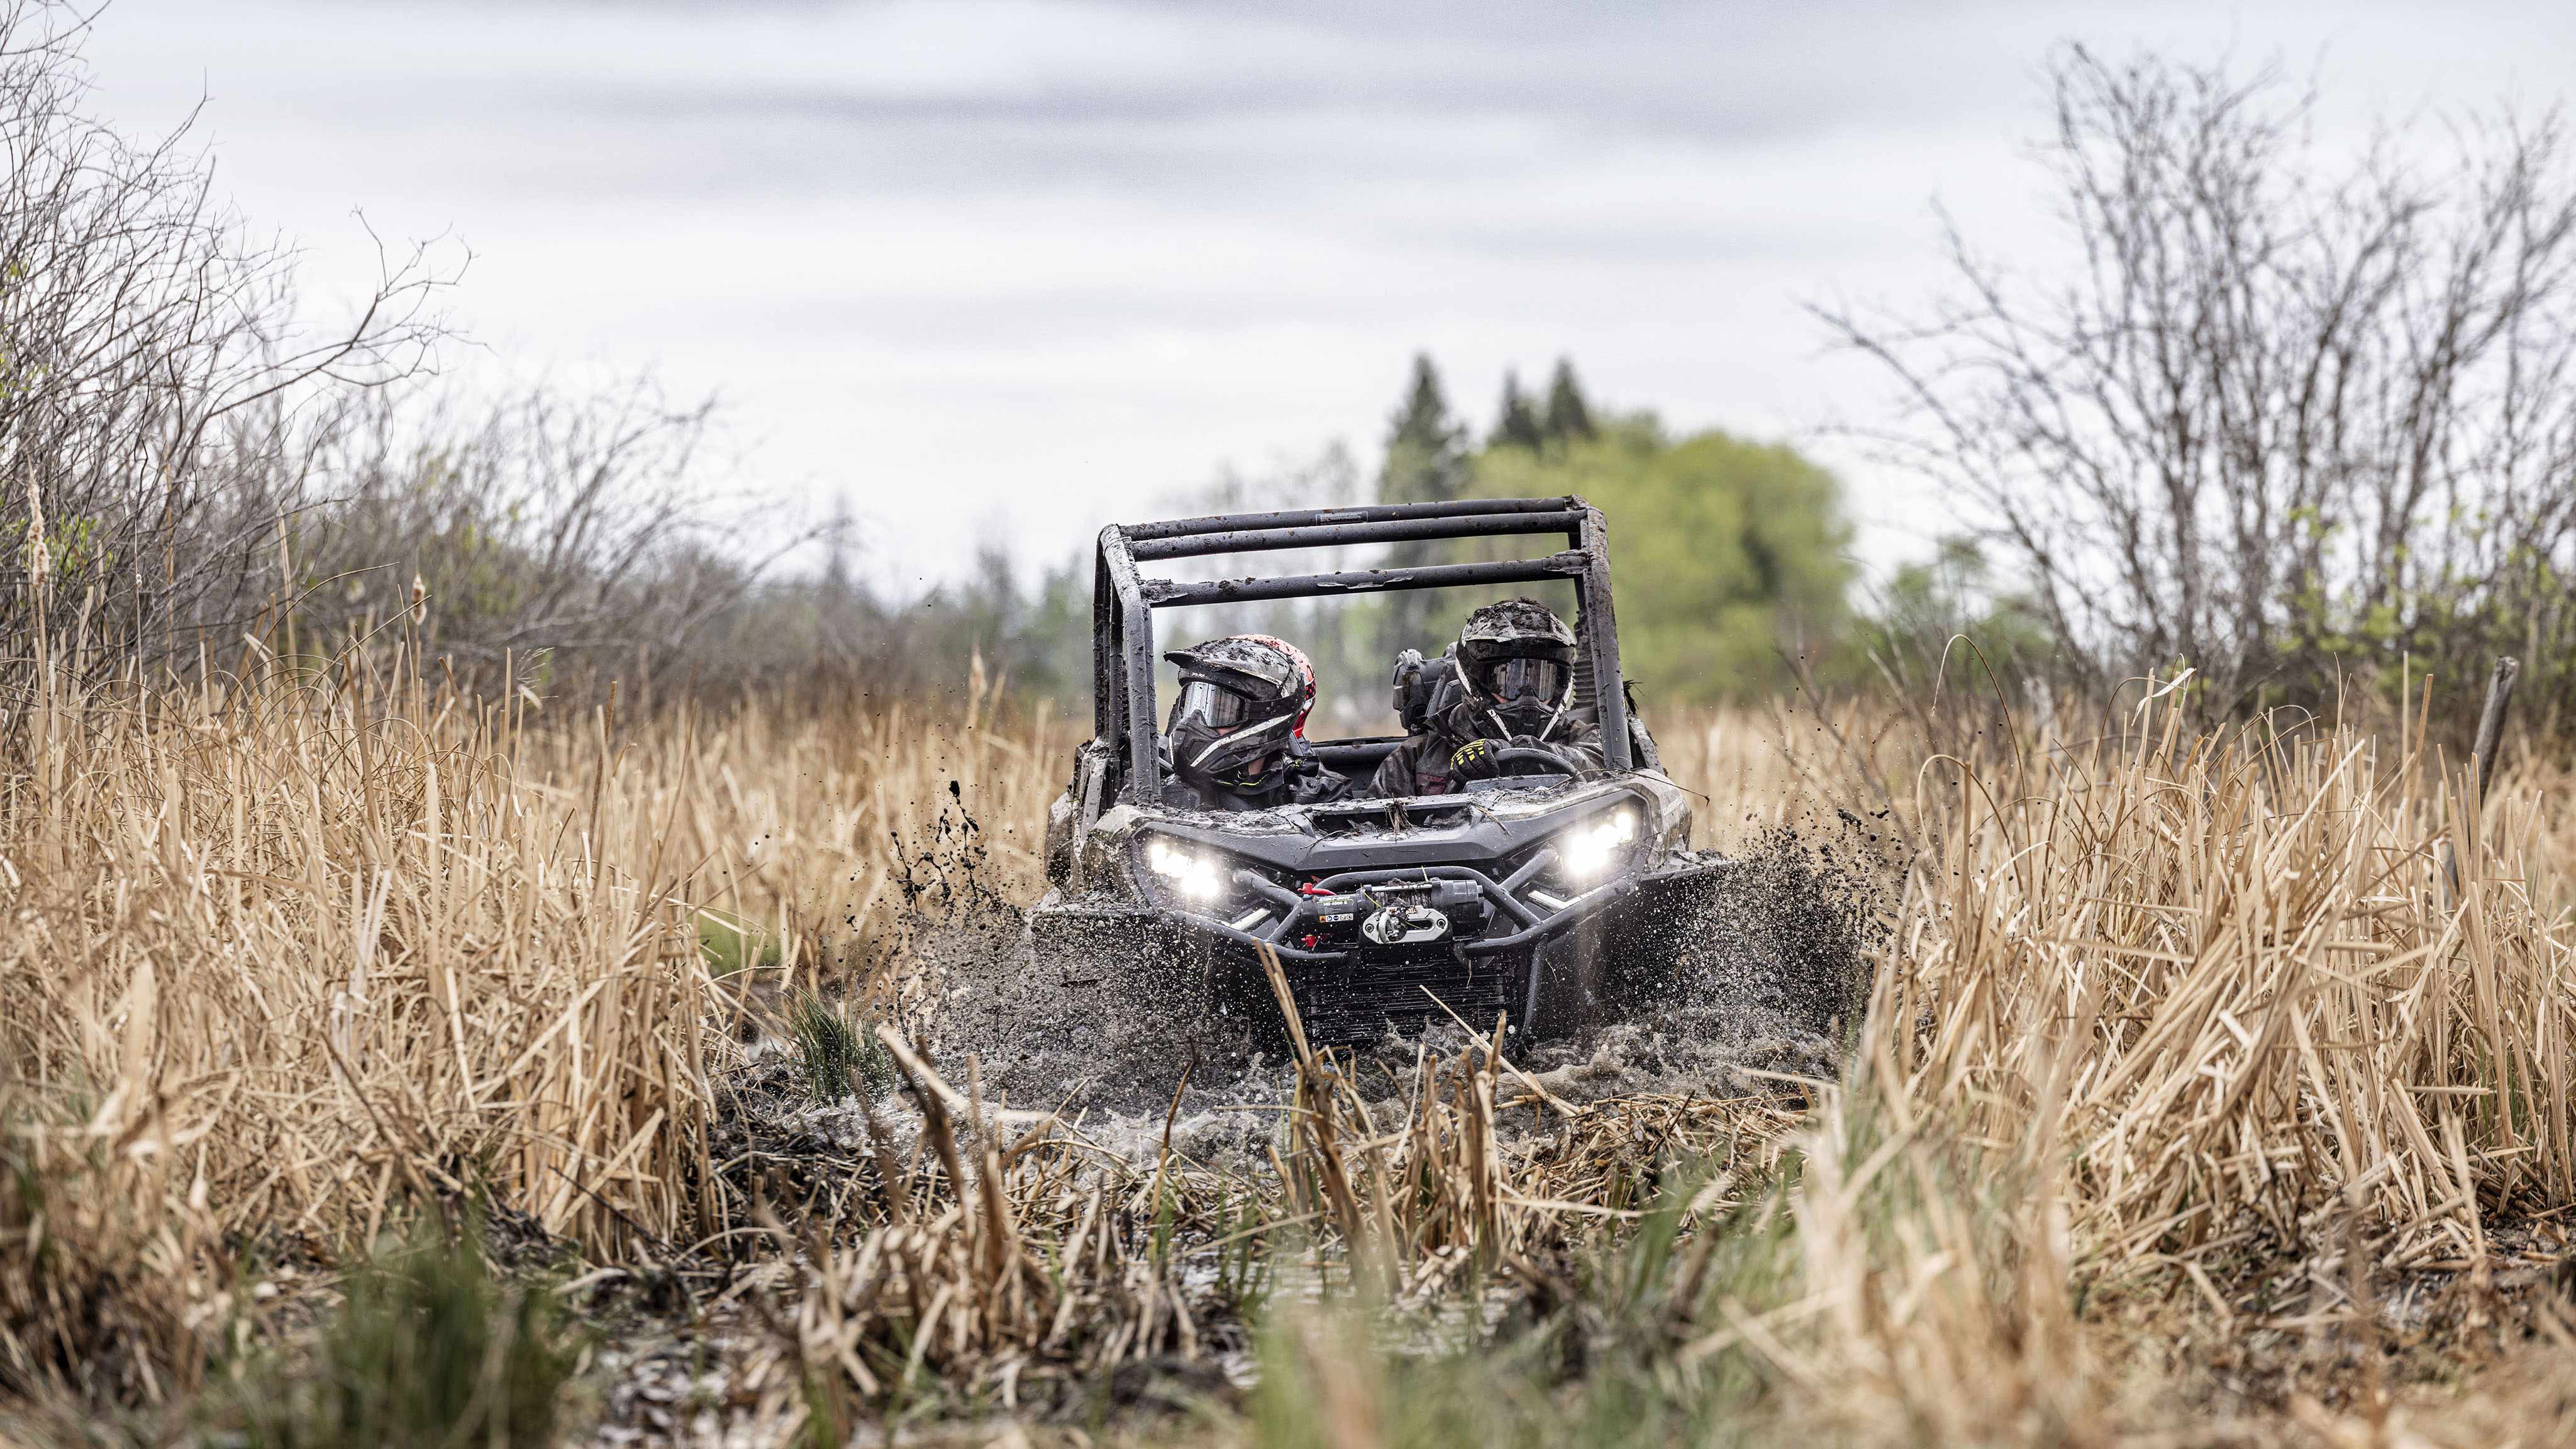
x: 1122, y: 601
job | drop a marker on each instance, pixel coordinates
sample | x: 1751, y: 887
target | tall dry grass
x: 310, y: 945
x: 2247, y: 984
x: 291, y: 949
x: 2170, y: 1019
x: 805, y: 819
x: 2188, y: 1048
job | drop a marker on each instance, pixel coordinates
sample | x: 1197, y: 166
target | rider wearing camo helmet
x: 1236, y: 737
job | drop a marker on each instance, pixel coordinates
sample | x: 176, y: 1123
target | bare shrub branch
x: 136, y: 314
x: 2282, y: 420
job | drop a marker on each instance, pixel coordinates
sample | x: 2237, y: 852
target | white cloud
x: 1030, y: 266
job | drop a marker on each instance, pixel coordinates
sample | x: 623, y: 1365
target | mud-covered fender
x: 1087, y: 941
x: 1071, y: 815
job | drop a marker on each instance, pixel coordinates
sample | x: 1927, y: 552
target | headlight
x: 1194, y: 876
x: 1589, y: 848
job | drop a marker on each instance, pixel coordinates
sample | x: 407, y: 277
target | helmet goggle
x: 1524, y: 680
x: 1211, y: 704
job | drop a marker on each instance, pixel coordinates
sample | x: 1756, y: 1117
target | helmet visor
x: 1204, y: 702
x: 1520, y: 680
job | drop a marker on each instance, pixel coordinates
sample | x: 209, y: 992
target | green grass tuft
x: 837, y: 1053
x: 1600, y: 1368
x: 428, y: 1349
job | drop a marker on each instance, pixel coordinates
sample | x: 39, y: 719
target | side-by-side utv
x: 1513, y: 898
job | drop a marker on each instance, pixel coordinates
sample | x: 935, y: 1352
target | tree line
x: 1732, y: 557
x: 2299, y: 422
x: 2295, y: 426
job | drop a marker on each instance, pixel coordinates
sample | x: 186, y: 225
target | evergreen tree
x: 1568, y: 415
x: 1426, y: 462
x: 1516, y: 423
x: 1426, y: 457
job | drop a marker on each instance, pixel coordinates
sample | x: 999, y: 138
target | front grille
x: 1359, y: 1001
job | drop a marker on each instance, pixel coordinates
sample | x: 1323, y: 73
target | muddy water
x: 1762, y: 979
x: 1766, y: 976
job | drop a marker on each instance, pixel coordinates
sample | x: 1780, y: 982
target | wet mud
x: 1749, y: 990
x: 1749, y: 984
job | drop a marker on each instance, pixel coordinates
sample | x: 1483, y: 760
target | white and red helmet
x: 1241, y: 710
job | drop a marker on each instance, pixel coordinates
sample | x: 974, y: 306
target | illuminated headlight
x: 1588, y: 849
x: 1194, y: 876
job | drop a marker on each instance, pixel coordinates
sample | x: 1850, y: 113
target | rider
x: 1236, y: 739
x: 1506, y: 684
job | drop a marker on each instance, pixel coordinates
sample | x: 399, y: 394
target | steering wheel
x: 1549, y: 762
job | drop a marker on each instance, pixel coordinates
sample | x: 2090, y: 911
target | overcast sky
x: 1011, y: 270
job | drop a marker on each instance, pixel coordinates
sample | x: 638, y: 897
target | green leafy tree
x: 1727, y: 553
x: 1516, y: 423
x: 1569, y: 417
x: 1931, y: 606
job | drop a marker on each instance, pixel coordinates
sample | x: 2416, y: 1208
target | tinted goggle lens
x: 1514, y: 679
x: 1205, y: 703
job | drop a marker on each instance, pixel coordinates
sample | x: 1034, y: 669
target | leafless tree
x: 137, y: 318
x: 2288, y: 417
x: 582, y: 524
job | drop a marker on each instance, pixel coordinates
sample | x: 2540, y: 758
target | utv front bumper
x: 1461, y: 896
x: 1544, y: 961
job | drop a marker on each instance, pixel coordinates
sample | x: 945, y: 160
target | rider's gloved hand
x: 1474, y: 760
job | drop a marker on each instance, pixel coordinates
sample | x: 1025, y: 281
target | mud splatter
x: 1765, y: 972
x: 1785, y: 932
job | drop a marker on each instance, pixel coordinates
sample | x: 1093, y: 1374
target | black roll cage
x: 1122, y: 601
